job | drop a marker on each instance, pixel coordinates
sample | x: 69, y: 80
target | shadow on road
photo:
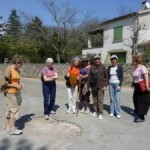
x: 22, y: 144
x: 126, y: 109
x: 20, y: 123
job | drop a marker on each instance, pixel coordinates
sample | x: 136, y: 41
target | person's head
x: 49, y: 62
x: 76, y: 62
x: 136, y: 60
x: 17, y: 61
x: 97, y: 60
x: 114, y: 60
x: 84, y: 61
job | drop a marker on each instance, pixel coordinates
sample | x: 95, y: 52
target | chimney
x: 145, y: 5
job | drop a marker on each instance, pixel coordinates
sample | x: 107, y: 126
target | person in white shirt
x: 115, y: 77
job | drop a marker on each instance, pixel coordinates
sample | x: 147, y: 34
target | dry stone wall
x: 34, y: 71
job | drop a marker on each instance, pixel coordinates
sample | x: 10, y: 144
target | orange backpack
x: 73, y: 80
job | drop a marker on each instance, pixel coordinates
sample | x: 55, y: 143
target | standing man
x: 115, y: 76
x: 97, y: 84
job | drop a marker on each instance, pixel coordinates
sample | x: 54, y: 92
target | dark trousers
x: 49, y: 94
x: 136, y: 95
x: 141, y: 101
x: 98, y: 100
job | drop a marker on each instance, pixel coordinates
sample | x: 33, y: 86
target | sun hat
x: 97, y: 56
x: 84, y: 58
x: 114, y: 56
x: 49, y: 60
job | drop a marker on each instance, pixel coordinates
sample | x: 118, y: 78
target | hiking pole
x: 97, y: 102
x: 78, y: 101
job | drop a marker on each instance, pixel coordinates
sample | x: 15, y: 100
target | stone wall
x: 33, y: 71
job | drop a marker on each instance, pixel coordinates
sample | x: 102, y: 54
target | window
x: 118, y: 34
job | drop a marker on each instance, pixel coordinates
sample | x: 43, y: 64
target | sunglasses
x: 18, y: 62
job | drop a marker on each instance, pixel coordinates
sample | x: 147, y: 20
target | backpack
x: 5, y: 79
x: 73, y: 80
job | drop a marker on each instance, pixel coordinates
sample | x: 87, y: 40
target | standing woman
x: 73, y: 74
x: 115, y: 77
x: 49, y: 75
x: 141, y: 100
x: 13, y: 96
x: 84, y: 92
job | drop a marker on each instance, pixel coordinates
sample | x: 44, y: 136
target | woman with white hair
x: 48, y: 77
x: 72, y: 77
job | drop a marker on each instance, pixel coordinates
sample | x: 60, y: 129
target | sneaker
x: 138, y: 119
x: 100, y: 117
x: 87, y: 111
x: 15, y: 131
x: 118, y: 116
x: 94, y: 114
x: 74, y: 110
x: 82, y: 110
x: 52, y: 112
x: 111, y: 115
x: 46, y: 117
x: 7, y: 130
x: 69, y: 110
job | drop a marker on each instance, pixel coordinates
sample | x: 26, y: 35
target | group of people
x: 94, y: 78
x: 82, y: 79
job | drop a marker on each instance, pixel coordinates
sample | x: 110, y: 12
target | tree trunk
x: 58, y: 57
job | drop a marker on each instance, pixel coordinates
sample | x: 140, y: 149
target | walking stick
x: 78, y: 101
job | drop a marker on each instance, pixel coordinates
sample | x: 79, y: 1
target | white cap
x: 97, y: 56
x: 114, y: 56
x: 49, y: 60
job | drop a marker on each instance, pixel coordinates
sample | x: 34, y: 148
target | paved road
x: 109, y: 133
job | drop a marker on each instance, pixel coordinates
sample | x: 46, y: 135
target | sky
x: 103, y: 9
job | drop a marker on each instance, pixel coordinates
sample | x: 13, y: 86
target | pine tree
x: 14, y: 23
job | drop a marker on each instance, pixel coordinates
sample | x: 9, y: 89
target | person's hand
x: 148, y: 89
x: 104, y: 88
x: 118, y: 88
x: 21, y: 84
x: 90, y: 90
x: 18, y: 86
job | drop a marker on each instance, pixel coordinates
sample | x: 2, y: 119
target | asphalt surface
x: 38, y: 134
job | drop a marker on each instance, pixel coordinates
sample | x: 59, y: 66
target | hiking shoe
x: 15, y: 131
x: 52, y: 112
x: 100, y: 117
x: 94, y: 114
x: 46, y: 117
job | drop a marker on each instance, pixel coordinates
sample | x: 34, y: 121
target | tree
x: 63, y: 18
x: 135, y: 28
x: 14, y: 23
x: 36, y: 37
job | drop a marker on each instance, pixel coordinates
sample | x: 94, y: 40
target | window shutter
x: 118, y: 34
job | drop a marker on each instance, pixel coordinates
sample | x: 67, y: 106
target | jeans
x: 114, y: 98
x: 49, y: 94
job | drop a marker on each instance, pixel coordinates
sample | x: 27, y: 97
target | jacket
x: 97, y: 76
x: 119, y: 73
